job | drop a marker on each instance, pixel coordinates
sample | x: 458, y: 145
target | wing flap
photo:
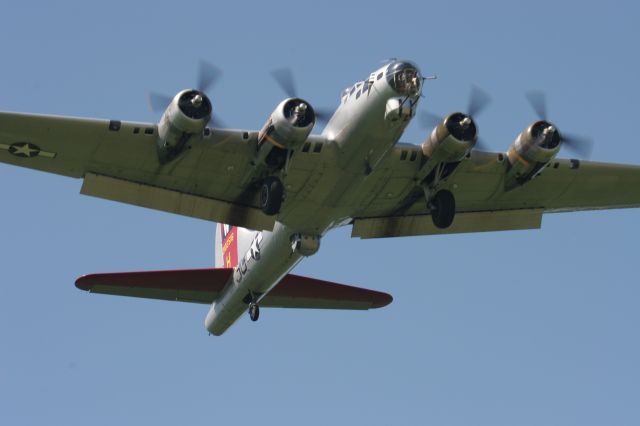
x: 402, y: 226
x: 177, y: 202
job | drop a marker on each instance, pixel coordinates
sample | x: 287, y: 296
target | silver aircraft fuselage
x: 371, y: 117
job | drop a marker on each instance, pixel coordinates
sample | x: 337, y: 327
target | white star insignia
x: 24, y: 150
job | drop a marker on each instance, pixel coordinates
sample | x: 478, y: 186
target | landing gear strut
x: 254, y: 311
x: 443, y: 209
x: 271, y: 195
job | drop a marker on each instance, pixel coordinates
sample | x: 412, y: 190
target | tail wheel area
x: 271, y: 195
x: 443, y: 209
x: 254, y: 311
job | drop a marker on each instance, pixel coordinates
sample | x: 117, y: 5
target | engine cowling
x: 186, y: 116
x: 451, y: 140
x: 288, y: 126
x: 536, y: 146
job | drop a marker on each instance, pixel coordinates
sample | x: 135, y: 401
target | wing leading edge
x: 204, y: 285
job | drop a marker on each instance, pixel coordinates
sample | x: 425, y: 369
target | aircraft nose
x: 404, y: 77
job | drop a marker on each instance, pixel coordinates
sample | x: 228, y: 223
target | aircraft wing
x: 118, y: 161
x: 397, y: 206
x: 204, y: 285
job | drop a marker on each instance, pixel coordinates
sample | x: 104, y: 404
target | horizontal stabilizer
x: 204, y: 285
x: 188, y: 285
x: 295, y: 291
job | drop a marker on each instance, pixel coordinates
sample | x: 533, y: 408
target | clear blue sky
x: 519, y: 328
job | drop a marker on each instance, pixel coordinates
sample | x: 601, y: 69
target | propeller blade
x: 216, y: 123
x: 158, y: 102
x: 538, y: 102
x: 577, y: 144
x: 208, y: 74
x: 284, y: 78
x: 478, y: 101
x: 429, y: 120
x: 481, y: 145
x: 323, y: 115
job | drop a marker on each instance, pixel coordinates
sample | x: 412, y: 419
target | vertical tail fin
x: 231, y: 243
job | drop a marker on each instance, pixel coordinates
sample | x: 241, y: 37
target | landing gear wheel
x: 254, y: 312
x: 271, y: 195
x: 443, y: 209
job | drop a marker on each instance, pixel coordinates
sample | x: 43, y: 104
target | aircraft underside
x: 281, y: 188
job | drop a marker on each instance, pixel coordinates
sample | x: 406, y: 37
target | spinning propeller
x: 208, y: 75
x: 478, y: 102
x: 284, y: 78
x: 579, y: 145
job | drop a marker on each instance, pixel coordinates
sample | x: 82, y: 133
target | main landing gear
x: 271, y: 195
x: 443, y: 209
x: 254, y: 311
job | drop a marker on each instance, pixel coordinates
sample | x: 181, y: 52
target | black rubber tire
x: 443, y: 209
x: 271, y: 195
x: 254, y: 312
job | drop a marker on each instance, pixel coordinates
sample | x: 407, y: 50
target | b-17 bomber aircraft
x: 276, y: 192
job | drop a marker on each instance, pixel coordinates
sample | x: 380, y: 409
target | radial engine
x: 186, y: 116
x: 288, y: 126
x: 536, y: 146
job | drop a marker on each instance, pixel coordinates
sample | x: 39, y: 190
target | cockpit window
x: 405, y: 78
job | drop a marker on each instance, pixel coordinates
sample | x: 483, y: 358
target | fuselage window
x: 414, y: 155
x: 403, y: 155
x: 317, y: 147
x: 114, y: 125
